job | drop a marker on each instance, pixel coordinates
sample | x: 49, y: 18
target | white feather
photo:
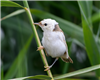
x: 53, y: 44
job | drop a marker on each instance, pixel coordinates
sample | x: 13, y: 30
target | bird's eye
x: 45, y: 24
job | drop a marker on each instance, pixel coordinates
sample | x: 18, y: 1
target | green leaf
x: 4, y: 0
x: 13, y: 69
x: 95, y: 17
x: 2, y: 73
x: 98, y: 33
x: 11, y: 23
x: 13, y: 14
x: 90, y: 42
x: 91, y: 46
x: 33, y: 77
x: 86, y: 9
x: 66, y: 8
x: 10, y: 4
x: 78, y: 72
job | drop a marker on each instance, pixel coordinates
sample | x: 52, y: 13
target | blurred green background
x: 16, y: 40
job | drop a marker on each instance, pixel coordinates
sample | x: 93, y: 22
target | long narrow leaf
x: 10, y: 4
x: 13, y: 14
x: 90, y: 42
x: 10, y: 23
x: 33, y: 77
x: 86, y: 9
x: 13, y: 69
x: 95, y: 17
x: 78, y: 72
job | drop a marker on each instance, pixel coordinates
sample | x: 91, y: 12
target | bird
x: 53, y: 41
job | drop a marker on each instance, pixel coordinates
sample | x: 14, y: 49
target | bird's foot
x: 39, y: 48
x: 47, y: 68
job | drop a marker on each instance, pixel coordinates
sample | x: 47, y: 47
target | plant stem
x: 36, y: 36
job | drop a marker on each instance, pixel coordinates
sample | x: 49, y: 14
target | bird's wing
x: 61, y: 35
x: 65, y: 57
x: 62, y: 38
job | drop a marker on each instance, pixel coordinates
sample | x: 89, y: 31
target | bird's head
x: 47, y: 24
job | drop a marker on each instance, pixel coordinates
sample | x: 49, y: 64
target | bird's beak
x: 39, y: 24
x: 36, y: 24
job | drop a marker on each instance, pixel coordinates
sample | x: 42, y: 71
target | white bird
x: 53, y: 41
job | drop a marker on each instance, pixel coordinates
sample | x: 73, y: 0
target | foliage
x: 80, y: 21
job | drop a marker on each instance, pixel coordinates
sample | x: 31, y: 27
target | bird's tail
x: 67, y: 59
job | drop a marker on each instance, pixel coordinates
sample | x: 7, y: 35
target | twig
x: 36, y: 36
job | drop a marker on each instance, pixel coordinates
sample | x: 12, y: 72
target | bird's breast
x: 53, y: 45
